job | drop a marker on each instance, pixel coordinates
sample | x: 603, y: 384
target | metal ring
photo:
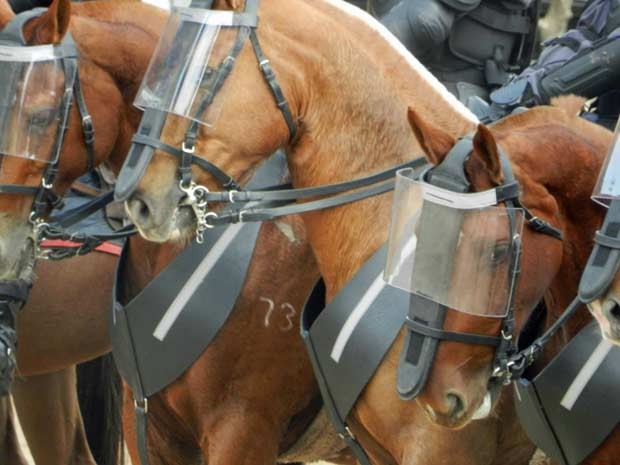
x: 506, y: 337
x: 45, y: 184
x: 185, y: 189
x: 210, y: 215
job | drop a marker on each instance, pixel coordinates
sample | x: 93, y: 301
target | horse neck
x: 569, y: 170
x: 352, y: 101
x: 117, y: 38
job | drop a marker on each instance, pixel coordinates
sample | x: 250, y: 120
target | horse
x: 55, y: 333
x: 606, y: 310
x: 344, y: 131
x: 546, y: 146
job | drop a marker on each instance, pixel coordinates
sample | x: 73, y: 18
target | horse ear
x: 485, y: 148
x: 6, y: 13
x: 51, y: 26
x: 435, y: 142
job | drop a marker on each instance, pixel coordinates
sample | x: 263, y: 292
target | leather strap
x: 270, y: 77
x: 607, y: 241
x: 440, y: 334
x: 308, y: 192
x: 223, y: 178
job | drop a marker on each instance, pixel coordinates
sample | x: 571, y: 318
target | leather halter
x: 426, y: 317
x: 44, y: 196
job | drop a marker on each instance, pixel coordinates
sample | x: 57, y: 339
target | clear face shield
x: 34, y: 102
x: 608, y: 185
x: 458, y: 250
x: 187, y: 74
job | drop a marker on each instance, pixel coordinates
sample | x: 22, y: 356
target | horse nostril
x: 138, y: 210
x: 615, y: 311
x: 611, y: 310
x: 456, y: 405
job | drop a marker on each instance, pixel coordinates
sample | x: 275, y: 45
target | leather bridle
x: 426, y: 317
x: 44, y: 197
x: 149, y: 133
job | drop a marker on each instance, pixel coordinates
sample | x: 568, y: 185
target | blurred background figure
x: 472, y: 46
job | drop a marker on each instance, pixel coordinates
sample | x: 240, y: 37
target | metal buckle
x: 348, y: 434
x: 89, y: 129
x: 46, y: 185
x: 231, y: 194
x: 141, y: 406
x: 191, y: 150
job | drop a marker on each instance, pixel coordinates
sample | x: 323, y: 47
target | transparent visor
x: 186, y: 75
x: 32, y: 103
x: 451, y: 248
x: 608, y: 184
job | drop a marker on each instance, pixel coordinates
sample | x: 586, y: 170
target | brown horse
x: 348, y: 84
x: 65, y: 321
x: 547, y: 147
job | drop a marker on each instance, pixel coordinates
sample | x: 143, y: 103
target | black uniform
x: 470, y: 45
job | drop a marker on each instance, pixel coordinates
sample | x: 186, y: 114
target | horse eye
x: 43, y: 118
x: 499, y: 254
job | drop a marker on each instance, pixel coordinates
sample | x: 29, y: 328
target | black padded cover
x: 369, y: 341
x: 149, y: 364
x: 570, y: 436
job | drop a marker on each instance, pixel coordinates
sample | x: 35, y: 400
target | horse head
x: 49, y: 138
x: 230, y: 119
x: 543, y: 156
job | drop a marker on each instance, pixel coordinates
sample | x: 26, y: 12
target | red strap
x: 106, y: 247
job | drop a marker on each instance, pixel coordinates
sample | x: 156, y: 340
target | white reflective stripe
x: 452, y: 199
x: 27, y: 54
x: 585, y: 374
x: 356, y: 316
x: 195, y: 280
x: 208, y: 17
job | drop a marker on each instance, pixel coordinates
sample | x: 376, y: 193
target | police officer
x: 470, y: 45
x: 584, y: 61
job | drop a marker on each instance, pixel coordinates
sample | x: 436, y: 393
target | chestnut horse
x: 606, y: 310
x: 348, y: 84
x: 556, y: 157
x: 65, y: 320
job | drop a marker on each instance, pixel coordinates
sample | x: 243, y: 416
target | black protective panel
x: 160, y: 362
x: 596, y: 411
x: 143, y: 358
x: 533, y: 420
x: 370, y: 340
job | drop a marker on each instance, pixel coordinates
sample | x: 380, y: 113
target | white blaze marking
x: 195, y: 280
x: 355, y: 317
x: 585, y: 374
x: 406, y: 54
